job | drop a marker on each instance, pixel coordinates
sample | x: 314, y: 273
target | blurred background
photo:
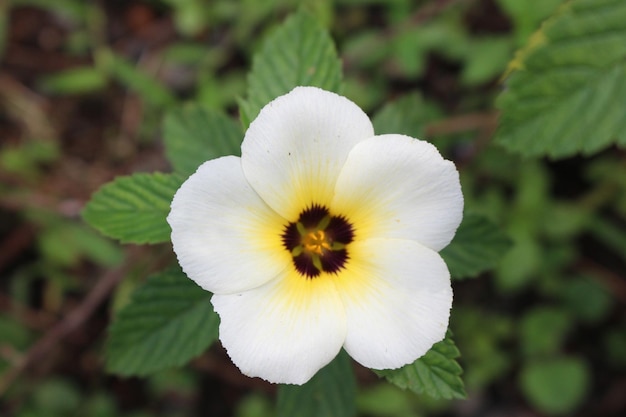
x: 83, y: 89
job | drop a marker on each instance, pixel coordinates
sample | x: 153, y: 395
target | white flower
x: 321, y: 236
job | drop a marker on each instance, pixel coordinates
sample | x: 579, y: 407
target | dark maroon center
x: 318, y: 241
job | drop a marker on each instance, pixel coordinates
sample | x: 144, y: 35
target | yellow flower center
x: 316, y: 241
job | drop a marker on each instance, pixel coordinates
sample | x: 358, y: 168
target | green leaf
x: 566, y: 90
x: 167, y: 322
x: 193, y: 135
x: 79, y: 80
x: 133, y: 208
x: 330, y: 393
x: 299, y: 52
x: 437, y: 373
x: 555, y: 386
x: 527, y: 15
x: 543, y: 329
x: 407, y: 115
x: 135, y: 79
x: 477, y: 246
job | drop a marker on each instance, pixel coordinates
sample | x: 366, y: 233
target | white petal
x: 225, y: 237
x: 284, y: 331
x: 398, y: 299
x: 294, y: 150
x: 398, y: 187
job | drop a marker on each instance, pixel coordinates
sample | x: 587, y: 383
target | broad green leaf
x: 299, y: 52
x: 133, y: 208
x: 330, y: 393
x: 477, y: 246
x: 437, y: 373
x: 193, y: 135
x: 407, y: 115
x: 566, y: 91
x: 556, y: 386
x: 167, y: 322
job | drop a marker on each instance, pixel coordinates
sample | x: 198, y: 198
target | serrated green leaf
x: 407, y: 115
x: 330, y: 393
x: 193, y: 135
x: 299, y: 52
x: 168, y: 322
x: 133, y: 208
x: 437, y: 373
x: 477, y: 246
x: 566, y: 92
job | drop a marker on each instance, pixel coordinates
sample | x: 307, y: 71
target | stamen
x: 315, y: 241
x: 318, y: 241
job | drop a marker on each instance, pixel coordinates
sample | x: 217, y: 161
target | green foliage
x: 193, y: 135
x: 120, y: 69
x: 57, y: 396
x: 168, y: 322
x: 555, y: 232
x: 615, y: 346
x: 485, y: 59
x: 75, y: 81
x: 482, y: 336
x: 527, y: 15
x: 437, y: 373
x: 299, y: 52
x: 330, y: 393
x: 587, y: 299
x: 563, y: 94
x: 408, y: 115
x: 26, y: 159
x: 133, y: 209
x: 384, y: 400
x: 543, y: 329
x: 556, y: 386
x: 477, y: 246
x: 66, y: 243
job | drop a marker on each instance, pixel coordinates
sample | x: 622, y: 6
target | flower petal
x: 398, y: 297
x: 225, y: 237
x: 294, y: 150
x: 395, y: 186
x: 284, y: 331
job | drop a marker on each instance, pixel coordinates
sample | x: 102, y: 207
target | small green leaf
x: 527, y: 16
x: 137, y: 80
x: 193, y: 135
x: 543, y: 329
x: 79, y: 80
x: 407, y: 115
x: 556, y: 386
x: 566, y: 90
x: 168, y: 322
x: 477, y: 246
x: 437, y: 373
x: 133, y: 208
x: 330, y: 393
x: 299, y: 52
